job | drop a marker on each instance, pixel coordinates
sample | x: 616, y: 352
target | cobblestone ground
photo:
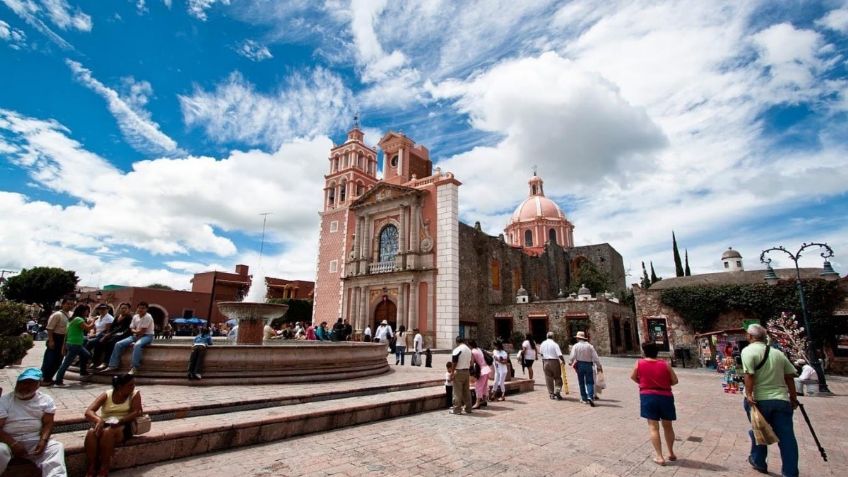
x: 530, y: 435
x: 526, y: 435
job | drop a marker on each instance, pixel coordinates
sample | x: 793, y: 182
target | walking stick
x: 813, y: 432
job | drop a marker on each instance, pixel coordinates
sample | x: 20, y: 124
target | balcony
x: 382, y: 267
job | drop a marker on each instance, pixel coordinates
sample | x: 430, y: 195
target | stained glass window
x: 388, y: 243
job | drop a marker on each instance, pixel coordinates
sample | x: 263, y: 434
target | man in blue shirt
x: 198, y: 353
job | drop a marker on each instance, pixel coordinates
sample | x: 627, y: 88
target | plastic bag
x: 564, y: 378
x: 763, y: 433
x: 600, y: 381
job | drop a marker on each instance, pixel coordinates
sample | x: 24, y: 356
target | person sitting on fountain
x: 311, y: 334
x: 269, y: 333
x: 198, y: 353
x: 322, y: 333
x: 338, y: 330
x: 118, y: 409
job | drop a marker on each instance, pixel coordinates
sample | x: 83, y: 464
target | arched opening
x: 552, y: 236
x: 160, y: 316
x: 528, y: 238
x: 386, y: 310
x: 331, y: 197
x: 343, y: 192
x: 360, y: 189
x: 388, y: 243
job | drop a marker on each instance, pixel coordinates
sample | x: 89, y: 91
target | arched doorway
x: 386, y: 310
x: 159, y: 316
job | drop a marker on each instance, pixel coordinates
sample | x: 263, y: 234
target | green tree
x: 678, y: 266
x: 14, y: 340
x: 42, y: 285
x: 299, y: 310
x: 654, y: 277
x: 589, y: 275
x: 646, y: 281
x: 687, y: 272
x: 159, y: 286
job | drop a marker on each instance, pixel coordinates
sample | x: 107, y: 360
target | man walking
x: 142, y: 327
x: 366, y: 335
x: 586, y: 357
x: 551, y: 359
x: 417, y: 347
x: 383, y: 333
x: 26, y: 422
x: 461, y: 358
x: 770, y: 387
x: 57, y: 327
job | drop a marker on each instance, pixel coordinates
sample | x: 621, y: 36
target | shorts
x: 528, y: 363
x: 657, y: 408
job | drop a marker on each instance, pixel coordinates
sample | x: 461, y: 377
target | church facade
x: 394, y: 249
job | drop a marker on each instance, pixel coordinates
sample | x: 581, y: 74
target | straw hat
x: 581, y: 336
x: 384, y: 322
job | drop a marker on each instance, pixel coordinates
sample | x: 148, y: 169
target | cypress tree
x: 678, y: 266
x: 646, y: 282
x: 688, y: 272
x: 654, y: 278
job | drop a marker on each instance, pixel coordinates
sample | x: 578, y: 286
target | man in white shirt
x: 808, y: 377
x: 551, y: 359
x: 417, y: 347
x: 26, y: 422
x: 142, y: 327
x: 586, y: 357
x: 366, y: 335
x: 461, y: 359
x: 383, y: 333
x: 57, y: 328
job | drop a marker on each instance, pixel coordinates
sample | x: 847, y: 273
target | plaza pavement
x: 527, y: 435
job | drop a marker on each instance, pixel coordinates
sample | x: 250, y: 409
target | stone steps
x: 189, y: 436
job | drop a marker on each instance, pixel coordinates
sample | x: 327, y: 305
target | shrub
x: 14, y: 340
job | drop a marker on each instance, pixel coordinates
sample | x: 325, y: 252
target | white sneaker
x: 133, y: 371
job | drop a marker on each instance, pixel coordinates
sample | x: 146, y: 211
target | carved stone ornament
x: 426, y: 245
x: 426, y: 240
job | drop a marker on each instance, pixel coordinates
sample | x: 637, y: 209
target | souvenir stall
x: 722, y: 350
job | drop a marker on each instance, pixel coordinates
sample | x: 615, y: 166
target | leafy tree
x: 687, y: 272
x: 678, y: 267
x: 654, y: 277
x: 589, y: 275
x: 159, y: 286
x: 299, y: 310
x: 42, y: 285
x: 14, y: 340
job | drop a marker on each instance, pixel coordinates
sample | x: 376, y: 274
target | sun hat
x: 581, y: 336
x: 384, y: 322
x: 30, y: 374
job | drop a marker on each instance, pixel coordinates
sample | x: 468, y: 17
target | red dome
x: 537, y: 207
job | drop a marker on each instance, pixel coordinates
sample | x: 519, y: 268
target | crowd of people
x: 26, y: 415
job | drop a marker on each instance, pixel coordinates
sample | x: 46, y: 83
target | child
x: 198, y: 352
x: 448, y: 382
x: 428, y: 358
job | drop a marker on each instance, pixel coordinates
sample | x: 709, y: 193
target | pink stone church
x: 390, y: 249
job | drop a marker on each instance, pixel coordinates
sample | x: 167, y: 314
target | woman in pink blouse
x: 481, y: 386
x: 655, y: 379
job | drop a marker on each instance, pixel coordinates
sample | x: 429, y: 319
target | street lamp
x: 827, y: 273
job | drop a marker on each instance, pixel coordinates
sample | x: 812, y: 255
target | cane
x: 813, y: 432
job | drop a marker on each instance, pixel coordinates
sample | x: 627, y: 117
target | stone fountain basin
x: 286, y: 361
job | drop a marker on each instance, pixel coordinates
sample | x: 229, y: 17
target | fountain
x: 251, y: 361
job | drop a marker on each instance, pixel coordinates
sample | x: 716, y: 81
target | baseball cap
x: 30, y: 374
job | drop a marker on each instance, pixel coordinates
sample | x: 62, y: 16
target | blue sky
x: 141, y: 139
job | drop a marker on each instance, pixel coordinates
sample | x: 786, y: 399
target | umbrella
x: 180, y: 321
x: 196, y: 321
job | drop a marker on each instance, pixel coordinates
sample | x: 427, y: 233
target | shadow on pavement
x: 694, y: 464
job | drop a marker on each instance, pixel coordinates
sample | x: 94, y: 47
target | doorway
x: 539, y: 329
x: 628, y: 338
x: 658, y: 333
x: 386, y: 310
x: 503, y: 329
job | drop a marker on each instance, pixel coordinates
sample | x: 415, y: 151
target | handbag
x: 141, y: 425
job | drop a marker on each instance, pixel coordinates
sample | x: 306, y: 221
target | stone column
x: 363, y: 308
x: 354, y: 308
x: 358, y: 231
x: 414, y: 246
x: 412, y: 322
x: 402, y: 308
x: 402, y: 238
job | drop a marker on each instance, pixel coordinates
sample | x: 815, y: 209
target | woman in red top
x: 655, y: 379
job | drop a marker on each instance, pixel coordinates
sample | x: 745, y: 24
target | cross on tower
x: 534, y: 170
x: 356, y: 120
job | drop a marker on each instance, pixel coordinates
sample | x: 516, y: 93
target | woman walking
x: 655, y: 379
x: 501, y: 368
x: 400, y: 345
x: 481, y: 386
x: 528, y: 353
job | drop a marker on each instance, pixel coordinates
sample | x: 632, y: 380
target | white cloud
x: 253, y: 51
x: 30, y: 11
x: 66, y: 18
x: 306, y: 105
x: 16, y: 38
x: 197, y: 8
x: 170, y: 207
x: 135, y: 123
x: 836, y: 20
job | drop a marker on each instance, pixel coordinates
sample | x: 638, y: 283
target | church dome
x: 537, y: 207
x: 730, y: 253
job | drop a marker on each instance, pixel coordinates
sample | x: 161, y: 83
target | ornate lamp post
x: 827, y: 273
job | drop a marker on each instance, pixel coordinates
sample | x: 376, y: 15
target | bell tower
x: 352, y: 170
x: 402, y: 159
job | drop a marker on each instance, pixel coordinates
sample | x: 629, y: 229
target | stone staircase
x: 186, y: 432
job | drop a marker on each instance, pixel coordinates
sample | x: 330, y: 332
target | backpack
x: 487, y: 356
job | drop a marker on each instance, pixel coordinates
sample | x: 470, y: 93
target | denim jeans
x: 52, y: 357
x: 586, y: 380
x: 400, y: 352
x: 73, y: 352
x: 778, y: 414
x: 138, y: 346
